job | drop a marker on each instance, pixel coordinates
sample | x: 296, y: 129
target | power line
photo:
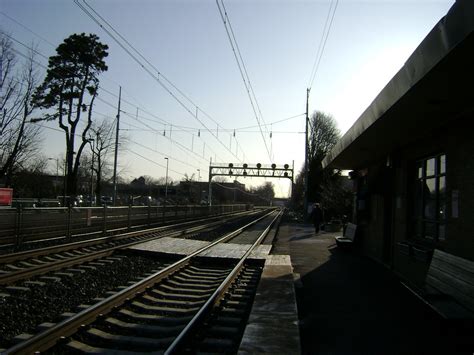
x: 242, y: 69
x: 177, y: 143
x: 166, y: 155
x: 154, y: 162
x: 102, y: 88
x: 54, y: 46
x: 98, y: 97
x: 112, y: 106
x: 322, y: 43
x: 159, y: 119
x: 161, y: 75
x: 142, y: 65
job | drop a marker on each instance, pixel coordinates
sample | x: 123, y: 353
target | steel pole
x: 166, y: 188
x: 306, y: 168
x: 116, y: 148
x: 92, y: 172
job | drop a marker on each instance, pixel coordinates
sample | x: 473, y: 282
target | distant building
x: 412, y: 154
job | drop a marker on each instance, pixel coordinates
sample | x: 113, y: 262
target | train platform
x: 346, y: 303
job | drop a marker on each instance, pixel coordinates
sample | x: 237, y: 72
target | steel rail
x: 112, y: 230
x: 13, y: 257
x: 49, y: 337
x: 61, y: 264
x: 216, y: 296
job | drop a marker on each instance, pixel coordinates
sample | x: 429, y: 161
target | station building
x: 411, y: 153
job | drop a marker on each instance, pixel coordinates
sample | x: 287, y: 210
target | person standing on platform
x: 316, y: 217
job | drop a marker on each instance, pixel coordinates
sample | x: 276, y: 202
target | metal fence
x: 27, y: 224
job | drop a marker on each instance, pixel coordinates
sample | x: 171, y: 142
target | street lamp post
x: 199, y: 186
x: 166, y: 180
x: 91, y: 142
x: 166, y: 187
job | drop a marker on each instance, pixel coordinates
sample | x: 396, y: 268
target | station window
x: 430, y: 198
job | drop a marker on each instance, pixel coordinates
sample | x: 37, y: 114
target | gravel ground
x: 22, y: 311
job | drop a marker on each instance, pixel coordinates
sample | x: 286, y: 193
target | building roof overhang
x: 432, y: 89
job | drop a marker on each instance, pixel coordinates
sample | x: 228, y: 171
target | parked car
x: 73, y: 201
x: 25, y: 202
x: 106, y: 200
x: 48, y: 202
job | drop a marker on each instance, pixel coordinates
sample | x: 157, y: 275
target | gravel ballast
x: 24, y: 308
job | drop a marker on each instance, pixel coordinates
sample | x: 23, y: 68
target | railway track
x: 24, y: 265
x: 193, y: 304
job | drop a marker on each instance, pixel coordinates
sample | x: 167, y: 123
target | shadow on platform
x: 348, y: 303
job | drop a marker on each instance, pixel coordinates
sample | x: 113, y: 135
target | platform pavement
x: 348, y: 303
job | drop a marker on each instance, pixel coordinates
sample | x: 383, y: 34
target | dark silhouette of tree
x: 19, y: 140
x: 69, y: 90
x: 265, y: 191
x: 103, y: 137
x: 323, y: 137
x: 324, y: 185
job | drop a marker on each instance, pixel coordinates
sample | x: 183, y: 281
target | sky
x: 186, y: 41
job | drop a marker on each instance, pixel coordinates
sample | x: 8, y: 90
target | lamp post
x: 166, y: 187
x: 91, y: 142
x: 199, y: 186
x: 166, y: 180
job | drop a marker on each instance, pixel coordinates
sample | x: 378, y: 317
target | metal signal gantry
x: 248, y: 170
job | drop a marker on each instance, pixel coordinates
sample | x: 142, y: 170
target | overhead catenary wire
x: 94, y: 111
x: 174, y: 141
x: 132, y: 104
x: 161, y: 75
x: 98, y: 97
x: 109, y: 116
x: 158, y: 119
x: 148, y: 70
x: 322, y: 43
x: 169, y: 137
x: 241, y: 66
x: 243, y: 63
x: 156, y: 163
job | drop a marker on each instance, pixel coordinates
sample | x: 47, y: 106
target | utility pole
x: 91, y: 142
x: 166, y: 187
x: 210, y: 183
x: 116, y: 148
x: 306, y: 168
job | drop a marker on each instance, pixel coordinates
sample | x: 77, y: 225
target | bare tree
x: 69, y: 90
x: 19, y: 140
x: 324, y: 135
x: 102, y: 141
x: 265, y: 191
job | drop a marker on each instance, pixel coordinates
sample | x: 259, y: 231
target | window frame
x: 421, y: 202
